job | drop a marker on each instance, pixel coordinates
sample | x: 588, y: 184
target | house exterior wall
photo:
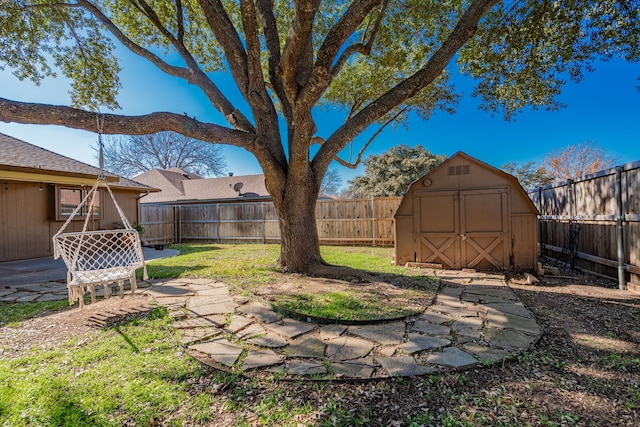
x: 463, y: 182
x: 28, y: 217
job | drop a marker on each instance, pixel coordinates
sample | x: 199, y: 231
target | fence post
x: 622, y: 281
x: 373, y: 223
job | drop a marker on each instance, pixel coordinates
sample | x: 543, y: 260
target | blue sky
x: 604, y: 109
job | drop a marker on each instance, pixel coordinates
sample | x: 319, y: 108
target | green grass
x: 348, y: 305
x: 131, y: 374
x: 247, y: 267
x: 12, y: 313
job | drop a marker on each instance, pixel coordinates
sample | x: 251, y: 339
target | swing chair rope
x: 98, y: 256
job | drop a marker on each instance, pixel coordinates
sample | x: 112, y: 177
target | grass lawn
x: 249, y: 268
x: 585, y: 371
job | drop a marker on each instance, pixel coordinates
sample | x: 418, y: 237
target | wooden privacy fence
x: 593, y: 223
x: 340, y: 222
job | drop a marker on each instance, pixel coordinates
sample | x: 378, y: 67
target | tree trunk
x: 300, y: 252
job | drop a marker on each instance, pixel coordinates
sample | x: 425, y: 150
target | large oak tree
x: 377, y: 60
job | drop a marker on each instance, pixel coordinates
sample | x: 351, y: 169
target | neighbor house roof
x: 23, y: 158
x: 180, y: 186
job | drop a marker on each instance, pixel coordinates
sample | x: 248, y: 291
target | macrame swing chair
x: 99, y: 257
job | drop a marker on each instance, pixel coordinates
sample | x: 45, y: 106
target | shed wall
x: 461, y: 175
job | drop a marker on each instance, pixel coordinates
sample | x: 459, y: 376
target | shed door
x: 463, y: 229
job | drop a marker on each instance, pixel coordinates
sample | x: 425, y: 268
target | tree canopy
x: 577, y: 160
x: 529, y: 174
x: 136, y: 154
x: 377, y: 61
x: 390, y: 173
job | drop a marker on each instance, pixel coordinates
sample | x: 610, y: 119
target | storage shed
x: 467, y: 214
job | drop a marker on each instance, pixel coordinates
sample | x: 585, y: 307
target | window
x: 70, y: 198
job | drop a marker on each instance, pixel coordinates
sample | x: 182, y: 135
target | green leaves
x: 524, y: 52
x: 40, y: 37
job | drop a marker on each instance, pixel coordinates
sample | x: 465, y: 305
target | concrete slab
x: 453, y: 357
x: 290, y: 328
x: 307, y: 346
x: 260, y: 312
x: 383, y: 333
x: 403, y: 366
x: 418, y: 342
x: 260, y: 359
x: 348, y: 348
x: 220, y: 350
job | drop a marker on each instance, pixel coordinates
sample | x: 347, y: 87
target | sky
x: 603, y: 109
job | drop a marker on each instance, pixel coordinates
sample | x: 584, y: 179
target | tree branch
x: 44, y: 114
x: 193, y: 74
x: 272, y: 41
x: 226, y: 34
x: 464, y: 30
x: 322, y: 72
x: 296, y: 54
x: 260, y: 102
x: 364, y: 148
x: 180, y: 22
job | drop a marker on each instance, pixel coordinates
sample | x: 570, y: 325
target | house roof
x: 20, y: 156
x: 178, y: 186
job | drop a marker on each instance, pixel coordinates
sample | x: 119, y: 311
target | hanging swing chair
x: 100, y: 257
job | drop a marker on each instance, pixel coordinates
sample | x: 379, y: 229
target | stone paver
x: 418, y: 342
x: 270, y: 340
x: 290, y: 328
x: 332, y: 331
x: 220, y: 350
x: 260, y: 359
x: 403, y: 366
x: 453, y: 357
x: 474, y: 319
x: 260, y: 312
x: 305, y: 367
x: 237, y: 323
x: 307, y: 347
x: 346, y: 348
x: 383, y: 333
x: 359, y: 368
x: 468, y: 327
x: 430, y: 328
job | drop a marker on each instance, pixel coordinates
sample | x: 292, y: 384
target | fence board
x: 358, y: 222
x: 590, y: 204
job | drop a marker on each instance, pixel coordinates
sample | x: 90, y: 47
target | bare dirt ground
x: 585, y: 370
